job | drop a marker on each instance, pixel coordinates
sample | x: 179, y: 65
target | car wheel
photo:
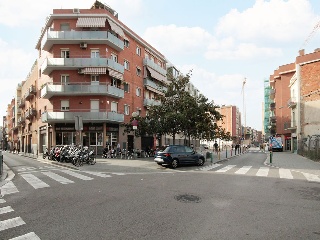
x: 159, y: 164
x: 174, y: 163
x: 201, y: 162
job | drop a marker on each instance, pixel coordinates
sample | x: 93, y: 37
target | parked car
x: 175, y: 155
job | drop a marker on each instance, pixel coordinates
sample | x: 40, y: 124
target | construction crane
x: 313, y: 32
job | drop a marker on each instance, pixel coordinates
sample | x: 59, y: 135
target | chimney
x: 301, y: 52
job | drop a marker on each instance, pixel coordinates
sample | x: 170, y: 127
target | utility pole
x: 244, y: 110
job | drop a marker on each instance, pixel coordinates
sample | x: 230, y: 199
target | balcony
x: 272, y: 93
x: 76, y: 37
x: 292, y: 126
x: 22, y: 103
x: 30, y: 92
x: 292, y: 102
x: 30, y: 113
x: 51, y: 64
x: 154, y: 87
x: 81, y: 89
x: 151, y: 102
x: 68, y: 117
x: 148, y: 62
x: 273, y: 119
x: 272, y: 105
x: 21, y: 120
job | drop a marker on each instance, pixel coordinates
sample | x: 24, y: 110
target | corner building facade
x: 94, y: 70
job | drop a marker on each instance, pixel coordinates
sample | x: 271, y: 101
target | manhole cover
x: 187, y: 198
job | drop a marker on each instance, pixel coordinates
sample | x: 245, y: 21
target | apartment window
x: 152, y: 59
x: 114, y: 57
x: 65, y: 27
x: 138, y: 71
x: 94, y: 79
x: 114, y: 107
x: 115, y: 82
x: 126, y: 109
x: 126, y: 87
x: 64, y: 79
x: 95, y: 53
x: 146, y: 55
x: 126, y: 65
x: 65, y: 53
x: 138, y: 51
x: 64, y: 105
x: 138, y: 92
x: 126, y: 43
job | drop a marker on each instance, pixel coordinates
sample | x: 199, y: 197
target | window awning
x: 91, y: 22
x: 157, y: 75
x: 117, y: 29
x: 94, y: 70
x: 115, y: 74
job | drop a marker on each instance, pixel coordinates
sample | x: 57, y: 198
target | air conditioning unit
x: 80, y: 71
x: 83, y: 45
x: 76, y: 10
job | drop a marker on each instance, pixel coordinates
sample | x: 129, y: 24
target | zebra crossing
x: 41, y: 179
x: 13, y: 223
x: 260, y: 172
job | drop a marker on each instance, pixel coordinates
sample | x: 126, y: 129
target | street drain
x: 187, y: 198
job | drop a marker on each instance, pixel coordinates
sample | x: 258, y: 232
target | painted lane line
x: 263, y: 172
x: 226, y: 168
x: 34, y: 181
x: 28, y: 236
x: 58, y: 178
x: 99, y: 174
x: 311, y: 177
x: 11, y: 223
x: 243, y: 170
x: 9, y: 188
x: 77, y: 175
x: 6, y: 210
x: 285, y: 173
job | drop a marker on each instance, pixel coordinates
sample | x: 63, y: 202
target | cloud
x: 269, y: 20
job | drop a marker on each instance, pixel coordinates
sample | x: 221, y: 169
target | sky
x: 222, y: 42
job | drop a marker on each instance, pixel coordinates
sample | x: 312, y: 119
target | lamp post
x: 135, y: 127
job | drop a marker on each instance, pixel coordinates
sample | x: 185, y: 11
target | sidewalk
x: 293, y: 162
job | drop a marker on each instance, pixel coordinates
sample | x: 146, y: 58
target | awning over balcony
x: 115, y: 74
x: 157, y: 75
x: 117, y: 29
x: 91, y: 22
x: 94, y: 70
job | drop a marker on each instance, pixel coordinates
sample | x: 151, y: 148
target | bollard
x: 271, y: 156
x: 231, y: 152
x: 1, y: 163
x: 211, y: 156
x: 226, y: 153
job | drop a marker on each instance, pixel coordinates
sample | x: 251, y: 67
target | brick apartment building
x: 295, y: 95
x: 92, y: 74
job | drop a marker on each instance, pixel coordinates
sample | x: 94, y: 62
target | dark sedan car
x: 175, y: 155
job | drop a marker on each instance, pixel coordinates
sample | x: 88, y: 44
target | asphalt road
x: 229, y: 200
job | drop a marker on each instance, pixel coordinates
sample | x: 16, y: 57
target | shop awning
x: 91, y: 22
x: 115, y: 74
x: 94, y: 70
x: 157, y: 75
x: 117, y: 29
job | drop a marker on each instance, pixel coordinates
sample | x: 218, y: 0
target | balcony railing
x: 21, y: 103
x: 21, y: 120
x: 151, y: 85
x: 290, y: 125
x: 292, y: 102
x: 52, y: 117
x: 148, y: 62
x: 272, y: 93
x: 151, y: 102
x: 272, y: 105
x: 273, y: 119
x: 77, y: 37
x: 30, y: 92
x: 30, y: 113
x: 80, y: 89
x: 51, y: 64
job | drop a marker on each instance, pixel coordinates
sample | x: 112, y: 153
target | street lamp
x: 135, y: 127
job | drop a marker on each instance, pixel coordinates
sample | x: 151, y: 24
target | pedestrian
x: 216, y: 146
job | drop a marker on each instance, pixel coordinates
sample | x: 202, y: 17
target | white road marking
x: 8, y: 188
x: 99, y: 174
x: 311, y: 177
x: 28, y: 236
x: 34, y: 181
x: 2, y: 200
x: 285, y: 173
x: 11, y: 223
x: 58, y: 178
x: 263, y: 172
x: 226, y: 168
x: 6, y: 210
x: 243, y: 170
x: 77, y: 175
